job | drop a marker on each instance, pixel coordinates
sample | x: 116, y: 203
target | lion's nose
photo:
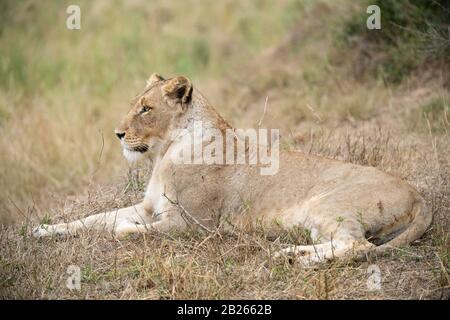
x: 120, y: 135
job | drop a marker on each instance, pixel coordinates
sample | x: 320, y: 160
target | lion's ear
x: 178, y: 90
x: 154, y: 78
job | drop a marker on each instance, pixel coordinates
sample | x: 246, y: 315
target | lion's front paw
x: 44, y: 230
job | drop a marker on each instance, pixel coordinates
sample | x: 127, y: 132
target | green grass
x: 412, y: 32
x: 431, y: 116
x: 437, y: 114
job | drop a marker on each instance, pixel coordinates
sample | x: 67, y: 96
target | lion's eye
x: 145, y: 109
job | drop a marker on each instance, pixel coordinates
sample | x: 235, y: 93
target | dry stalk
x: 186, y: 215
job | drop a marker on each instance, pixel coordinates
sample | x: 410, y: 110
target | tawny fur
x: 341, y: 204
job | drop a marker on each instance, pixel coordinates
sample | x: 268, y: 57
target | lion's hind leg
x: 333, y: 238
x: 318, y: 253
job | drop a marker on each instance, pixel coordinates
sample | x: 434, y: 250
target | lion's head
x: 145, y: 126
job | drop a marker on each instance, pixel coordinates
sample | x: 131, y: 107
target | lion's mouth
x: 142, y: 148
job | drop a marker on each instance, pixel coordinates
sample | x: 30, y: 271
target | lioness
x: 342, y: 205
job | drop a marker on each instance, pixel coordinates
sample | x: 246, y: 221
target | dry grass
x: 60, y: 160
x: 196, y: 265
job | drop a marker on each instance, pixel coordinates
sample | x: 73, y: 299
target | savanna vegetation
x: 333, y: 87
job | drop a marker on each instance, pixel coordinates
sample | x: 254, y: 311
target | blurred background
x: 63, y: 91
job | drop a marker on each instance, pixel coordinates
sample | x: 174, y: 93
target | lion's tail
x: 422, y: 217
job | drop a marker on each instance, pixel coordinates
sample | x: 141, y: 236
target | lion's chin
x: 132, y: 156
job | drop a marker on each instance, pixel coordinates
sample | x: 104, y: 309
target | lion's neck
x: 202, y: 111
x: 199, y: 114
